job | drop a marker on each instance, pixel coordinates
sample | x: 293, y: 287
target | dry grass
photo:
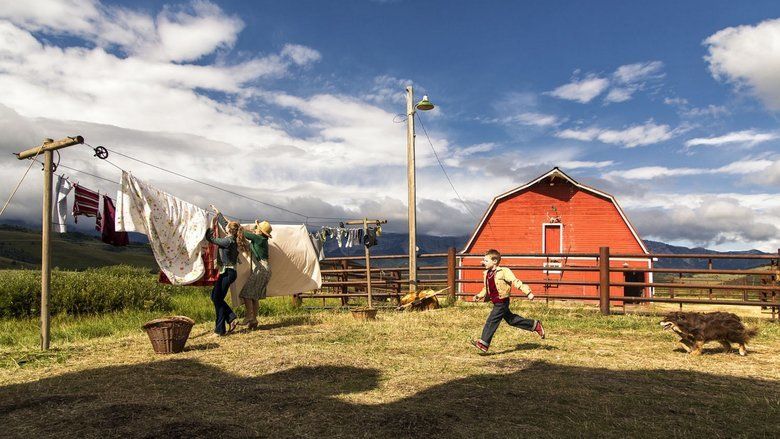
x: 407, y: 374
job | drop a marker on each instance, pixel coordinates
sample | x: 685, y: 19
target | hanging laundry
x: 318, y: 241
x: 293, y: 260
x: 175, y: 227
x: 63, y: 188
x: 106, y: 223
x: 86, y: 202
x: 369, y: 240
x: 209, y: 256
x: 340, y: 233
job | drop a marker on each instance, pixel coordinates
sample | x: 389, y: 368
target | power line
x: 441, y: 165
x: 11, y: 197
x: 178, y: 174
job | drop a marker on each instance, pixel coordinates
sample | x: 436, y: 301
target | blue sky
x: 670, y: 106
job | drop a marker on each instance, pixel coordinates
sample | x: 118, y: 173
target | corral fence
x: 345, y: 279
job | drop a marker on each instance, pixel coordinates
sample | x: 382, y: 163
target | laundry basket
x: 169, y: 334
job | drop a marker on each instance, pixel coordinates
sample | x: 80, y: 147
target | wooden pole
x: 50, y: 145
x: 45, y: 249
x: 412, y: 188
x: 451, y: 261
x: 47, y: 148
x: 368, y: 268
x: 604, y: 280
x: 345, y: 278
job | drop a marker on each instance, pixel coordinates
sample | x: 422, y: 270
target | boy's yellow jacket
x: 505, y: 279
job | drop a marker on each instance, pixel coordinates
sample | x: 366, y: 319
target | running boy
x: 497, y: 284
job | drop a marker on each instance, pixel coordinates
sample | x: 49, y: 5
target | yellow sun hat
x: 265, y: 228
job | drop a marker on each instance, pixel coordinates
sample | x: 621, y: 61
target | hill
x: 21, y: 248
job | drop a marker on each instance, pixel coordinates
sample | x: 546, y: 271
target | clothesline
x: 307, y: 217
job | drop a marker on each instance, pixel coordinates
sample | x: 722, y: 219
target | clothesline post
x: 47, y: 148
x: 366, y: 222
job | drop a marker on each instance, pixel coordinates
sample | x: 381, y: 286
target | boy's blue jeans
x: 500, y: 312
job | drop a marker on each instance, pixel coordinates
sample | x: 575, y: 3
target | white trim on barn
x: 553, y: 173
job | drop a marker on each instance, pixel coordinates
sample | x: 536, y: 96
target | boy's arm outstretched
x: 517, y: 283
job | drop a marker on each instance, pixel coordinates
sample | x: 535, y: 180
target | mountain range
x: 20, y: 248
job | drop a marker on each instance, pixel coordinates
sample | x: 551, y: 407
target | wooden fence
x: 345, y: 278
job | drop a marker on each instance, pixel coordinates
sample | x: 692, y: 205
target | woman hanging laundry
x: 227, y: 258
x: 256, y: 285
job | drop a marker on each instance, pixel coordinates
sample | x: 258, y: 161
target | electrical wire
x: 178, y: 174
x: 11, y: 197
x: 441, y: 165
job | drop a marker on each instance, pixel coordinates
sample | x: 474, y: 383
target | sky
x: 670, y: 106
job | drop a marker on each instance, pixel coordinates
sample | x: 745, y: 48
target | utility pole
x: 47, y: 148
x: 412, y: 188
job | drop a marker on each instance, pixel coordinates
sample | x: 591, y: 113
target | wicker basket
x: 364, y: 313
x: 169, y: 334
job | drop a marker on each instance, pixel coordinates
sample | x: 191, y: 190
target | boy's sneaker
x: 479, y: 345
x: 539, y: 329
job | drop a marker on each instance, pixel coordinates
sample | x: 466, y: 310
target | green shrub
x: 92, y: 291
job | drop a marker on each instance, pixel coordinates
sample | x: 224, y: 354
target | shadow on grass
x: 201, y: 347
x: 187, y: 398
x: 525, y: 347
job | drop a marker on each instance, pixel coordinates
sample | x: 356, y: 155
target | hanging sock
x: 85, y: 202
x: 105, y: 225
x: 63, y: 188
x: 369, y: 240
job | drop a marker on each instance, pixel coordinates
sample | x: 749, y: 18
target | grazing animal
x: 695, y: 329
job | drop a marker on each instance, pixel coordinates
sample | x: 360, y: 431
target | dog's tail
x: 751, y: 332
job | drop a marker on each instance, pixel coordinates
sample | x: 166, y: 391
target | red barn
x: 556, y: 214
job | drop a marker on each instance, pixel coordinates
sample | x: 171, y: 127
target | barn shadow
x: 179, y: 398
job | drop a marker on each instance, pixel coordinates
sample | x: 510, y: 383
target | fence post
x: 604, y: 280
x: 296, y: 301
x: 345, y: 278
x: 451, y: 261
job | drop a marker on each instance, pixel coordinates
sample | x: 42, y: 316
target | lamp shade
x: 425, y: 104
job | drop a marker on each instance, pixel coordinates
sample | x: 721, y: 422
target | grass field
x: 322, y: 374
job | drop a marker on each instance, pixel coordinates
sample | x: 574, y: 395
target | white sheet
x: 295, y: 267
x: 175, y: 227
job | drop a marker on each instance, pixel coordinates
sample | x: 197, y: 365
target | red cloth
x: 209, y: 256
x: 490, y: 281
x: 86, y: 202
x: 105, y: 225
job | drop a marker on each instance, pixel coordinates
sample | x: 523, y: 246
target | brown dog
x: 695, y: 329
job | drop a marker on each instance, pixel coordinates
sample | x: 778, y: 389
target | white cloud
x: 300, y: 55
x: 746, y: 137
x: 636, y: 135
x: 748, y: 57
x: 619, y: 94
x: 630, y: 78
x: 638, y: 72
x: 582, y: 91
x: 577, y: 164
x: 741, y: 167
x: 709, y: 220
x: 533, y: 119
x: 622, y: 84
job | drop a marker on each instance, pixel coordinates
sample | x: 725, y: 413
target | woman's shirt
x: 258, y: 244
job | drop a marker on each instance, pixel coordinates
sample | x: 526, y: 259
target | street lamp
x: 423, y: 105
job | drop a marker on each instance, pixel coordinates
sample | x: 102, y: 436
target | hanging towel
x: 209, y: 256
x: 106, y: 224
x: 63, y: 188
x: 85, y: 202
x: 295, y: 267
x: 318, y: 241
x: 175, y: 227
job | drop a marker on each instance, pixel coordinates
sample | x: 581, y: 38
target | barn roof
x: 554, y: 172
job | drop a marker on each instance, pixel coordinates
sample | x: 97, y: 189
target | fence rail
x: 345, y: 278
